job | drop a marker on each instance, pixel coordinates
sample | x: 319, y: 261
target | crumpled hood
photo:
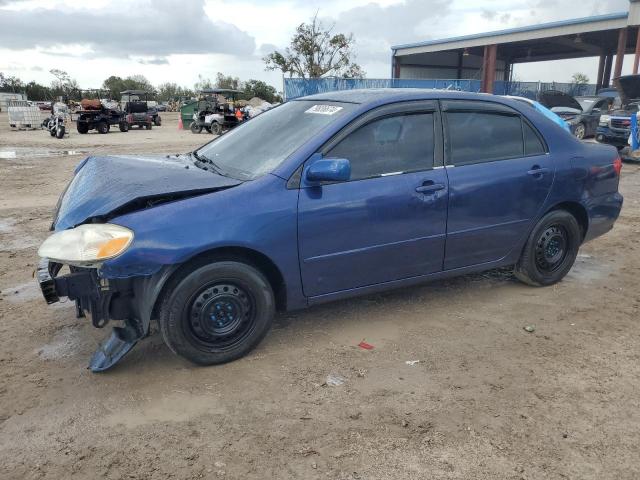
x: 104, y: 186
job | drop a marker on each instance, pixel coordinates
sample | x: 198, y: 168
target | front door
x: 388, y: 221
x: 500, y: 175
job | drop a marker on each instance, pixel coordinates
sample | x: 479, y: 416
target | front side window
x: 476, y: 137
x: 393, y: 144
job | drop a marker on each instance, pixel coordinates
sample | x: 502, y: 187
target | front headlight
x: 604, y: 120
x: 86, y: 245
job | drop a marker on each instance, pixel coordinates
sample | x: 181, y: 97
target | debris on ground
x: 365, y: 345
x: 530, y: 328
x: 334, y: 380
x: 412, y: 362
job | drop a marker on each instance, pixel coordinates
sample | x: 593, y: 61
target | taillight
x: 617, y: 165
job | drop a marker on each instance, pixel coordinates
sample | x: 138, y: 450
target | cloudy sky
x: 175, y: 40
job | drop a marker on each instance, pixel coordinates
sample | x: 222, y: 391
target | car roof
x: 389, y: 95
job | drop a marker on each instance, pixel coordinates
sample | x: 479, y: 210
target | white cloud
x: 175, y: 40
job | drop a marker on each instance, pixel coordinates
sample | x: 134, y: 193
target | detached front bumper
x: 103, y: 299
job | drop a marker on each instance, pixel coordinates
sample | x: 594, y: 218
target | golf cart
x: 137, y: 112
x: 217, y: 111
x: 98, y: 114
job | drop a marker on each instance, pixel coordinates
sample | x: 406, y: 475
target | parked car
x: 322, y: 198
x: 582, y: 114
x: 615, y: 127
x: 161, y: 107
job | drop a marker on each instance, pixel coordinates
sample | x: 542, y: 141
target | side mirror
x: 328, y: 170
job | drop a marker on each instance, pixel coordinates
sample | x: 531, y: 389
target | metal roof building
x: 491, y: 56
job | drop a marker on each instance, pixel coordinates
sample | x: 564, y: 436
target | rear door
x: 499, y: 177
x: 388, y: 222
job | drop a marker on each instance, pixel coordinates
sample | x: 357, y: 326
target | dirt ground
x: 486, y: 399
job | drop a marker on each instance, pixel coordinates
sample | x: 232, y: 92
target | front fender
x: 260, y: 215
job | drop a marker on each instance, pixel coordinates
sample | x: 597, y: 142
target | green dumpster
x: 186, y: 113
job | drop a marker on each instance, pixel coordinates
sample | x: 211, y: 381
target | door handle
x: 536, y: 170
x: 431, y: 187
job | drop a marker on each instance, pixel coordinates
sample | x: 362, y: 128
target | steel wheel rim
x: 551, y: 249
x: 221, y: 315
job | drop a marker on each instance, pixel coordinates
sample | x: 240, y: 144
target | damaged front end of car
x: 86, y: 237
x: 104, y: 300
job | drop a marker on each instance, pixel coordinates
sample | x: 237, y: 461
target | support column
x: 606, y: 79
x: 622, y: 46
x: 636, y: 58
x: 600, y: 72
x: 489, y: 68
x: 460, y: 60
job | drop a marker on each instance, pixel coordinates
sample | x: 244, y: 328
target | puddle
x: 175, y: 407
x: 22, y: 293
x: 66, y: 342
x: 29, y: 152
x: 587, y: 268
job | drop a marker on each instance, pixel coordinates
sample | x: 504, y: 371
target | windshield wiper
x: 206, y: 163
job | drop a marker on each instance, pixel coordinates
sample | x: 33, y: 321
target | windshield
x: 259, y: 146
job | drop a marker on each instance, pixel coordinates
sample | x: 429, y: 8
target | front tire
x: 195, y: 128
x: 216, y: 313
x: 580, y: 131
x: 103, y: 127
x: 60, y: 131
x: 216, y: 128
x: 551, y: 249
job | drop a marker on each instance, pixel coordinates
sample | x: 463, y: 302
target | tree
x: 579, y: 79
x: 260, y: 89
x: 172, y: 91
x: 63, y: 85
x: 202, y: 83
x: 11, y: 84
x: 115, y: 85
x: 315, y: 51
x: 224, y: 81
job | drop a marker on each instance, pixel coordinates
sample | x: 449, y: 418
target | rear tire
x: 216, y: 313
x: 195, y: 128
x: 103, y: 127
x: 157, y: 121
x: 82, y: 127
x: 551, y: 249
x: 124, y: 126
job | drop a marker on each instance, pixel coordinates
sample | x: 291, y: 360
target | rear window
x: 532, y: 143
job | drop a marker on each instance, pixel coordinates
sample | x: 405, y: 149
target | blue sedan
x: 322, y: 198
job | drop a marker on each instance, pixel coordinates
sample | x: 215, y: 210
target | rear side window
x: 476, y: 137
x: 394, y: 144
x: 532, y: 143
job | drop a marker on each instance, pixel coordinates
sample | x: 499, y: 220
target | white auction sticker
x: 323, y: 109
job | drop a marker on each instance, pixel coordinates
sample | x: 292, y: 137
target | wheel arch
x: 252, y: 257
x: 578, y: 211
